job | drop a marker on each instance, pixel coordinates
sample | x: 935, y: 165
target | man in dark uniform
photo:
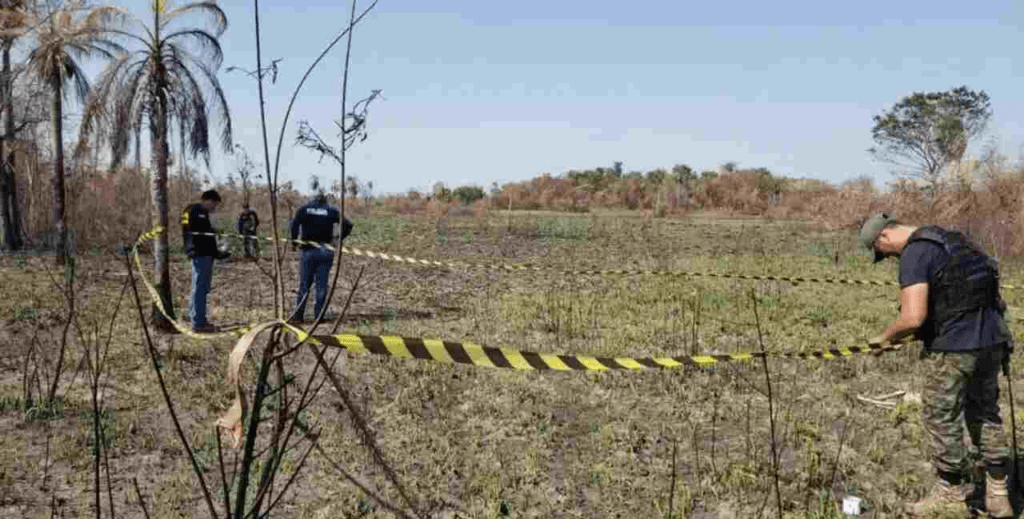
x: 950, y: 300
x: 202, y: 250
x: 314, y: 222
x: 248, y: 221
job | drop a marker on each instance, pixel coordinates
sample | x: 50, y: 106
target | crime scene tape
x: 502, y: 358
x: 449, y: 352
x: 469, y: 353
x: 593, y: 272
x: 459, y: 352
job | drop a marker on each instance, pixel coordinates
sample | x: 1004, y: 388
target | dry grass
x: 495, y: 443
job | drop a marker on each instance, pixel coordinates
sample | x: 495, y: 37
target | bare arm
x: 913, y: 312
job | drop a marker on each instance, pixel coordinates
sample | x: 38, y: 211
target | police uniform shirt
x: 920, y: 261
x: 317, y: 223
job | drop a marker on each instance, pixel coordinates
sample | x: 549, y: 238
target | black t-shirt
x: 920, y: 261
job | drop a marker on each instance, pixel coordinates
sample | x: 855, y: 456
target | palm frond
x: 207, y: 44
x: 78, y: 78
x: 221, y: 102
x: 216, y: 17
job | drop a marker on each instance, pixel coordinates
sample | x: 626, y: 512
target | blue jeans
x: 313, y: 263
x: 202, y: 273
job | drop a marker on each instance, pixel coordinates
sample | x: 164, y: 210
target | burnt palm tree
x: 172, y: 75
x: 71, y: 34
x: 13, y: 25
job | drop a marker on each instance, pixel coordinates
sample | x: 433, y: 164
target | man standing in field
x: 949, y: 298
x: 202, y: 250
x: 247, y: 224
x: 314, y: 222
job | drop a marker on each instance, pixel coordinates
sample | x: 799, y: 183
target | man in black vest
x: 314, y: 222
x: 248, y: 221
x: 949, y: 298
x: 202, y: 250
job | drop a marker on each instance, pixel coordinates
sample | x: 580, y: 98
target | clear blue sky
x: 478, y: 91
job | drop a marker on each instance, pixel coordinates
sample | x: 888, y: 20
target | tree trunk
x: 158, y: 187
x: 138, y: 169
x: 57, y: 121
x: 6, y: 225
x: 10, y: 220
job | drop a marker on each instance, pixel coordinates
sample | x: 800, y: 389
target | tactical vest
x: 967, y: 284
x: 248, y: 222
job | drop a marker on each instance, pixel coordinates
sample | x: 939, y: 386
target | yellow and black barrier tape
x: 449, y: 352
x: 593, y: 272
x: 468, y: 353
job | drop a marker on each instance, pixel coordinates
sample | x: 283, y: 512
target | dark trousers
x: 314, y: 264
x: 202, y: 275
x: 251, y: 245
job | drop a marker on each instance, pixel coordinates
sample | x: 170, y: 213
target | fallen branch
x: 879, y: 403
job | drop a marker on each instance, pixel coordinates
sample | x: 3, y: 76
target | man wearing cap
x: 314, y: 222
x: 949, y: 298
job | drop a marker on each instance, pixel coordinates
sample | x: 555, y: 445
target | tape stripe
x: 497, y: 358
x: 418, y: 349
x: 571, y: 362
x: 647, y: 362
x: 535, y: 361
x: 457, y: 353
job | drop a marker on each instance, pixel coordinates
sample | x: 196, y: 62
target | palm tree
x: 164, y: 79
x: 13, y: 25
x: 72, y: 33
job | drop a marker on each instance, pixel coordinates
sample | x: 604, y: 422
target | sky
x: 479, y: 92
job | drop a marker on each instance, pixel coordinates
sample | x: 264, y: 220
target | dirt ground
x: 476, y: 442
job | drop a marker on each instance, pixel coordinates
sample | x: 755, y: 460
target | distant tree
x: 468, y: 194
x: 441, y: 192
x: 709, y: 175
x: 768, y: 185
x: 860, y: 184
x: 729, y: 167
x: 367, y: 190
x: 245, y: 169
x: 657, y: 175
x: 617, y: 168
x: 684, y: 177
x: 924, y: 132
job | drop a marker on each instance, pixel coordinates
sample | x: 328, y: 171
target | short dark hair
x: 210, y: 194
x: 892, y: 224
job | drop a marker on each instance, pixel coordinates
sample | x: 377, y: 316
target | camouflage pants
x: 251, y: 246
x: 964, y: 387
